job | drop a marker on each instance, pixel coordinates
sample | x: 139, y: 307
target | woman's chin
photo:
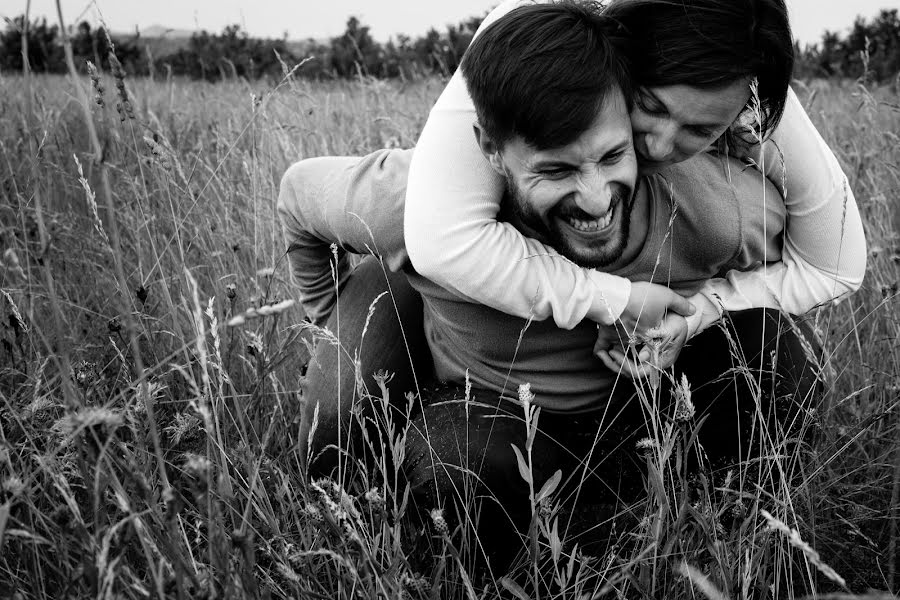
x: 650, y: 167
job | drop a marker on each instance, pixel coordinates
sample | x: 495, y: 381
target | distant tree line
x: 233, y: 53
x: 872, y: 47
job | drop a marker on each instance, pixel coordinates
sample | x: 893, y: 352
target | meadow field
x: 149, y: 449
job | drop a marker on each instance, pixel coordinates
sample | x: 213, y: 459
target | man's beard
x: 592, y: 256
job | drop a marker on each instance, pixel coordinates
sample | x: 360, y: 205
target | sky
x: 301, y: 19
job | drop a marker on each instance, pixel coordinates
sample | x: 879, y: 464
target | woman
x: 693, y: 63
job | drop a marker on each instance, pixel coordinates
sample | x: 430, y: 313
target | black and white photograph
x: 475, y: 300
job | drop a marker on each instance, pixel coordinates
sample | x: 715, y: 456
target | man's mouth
x: 591, y: 225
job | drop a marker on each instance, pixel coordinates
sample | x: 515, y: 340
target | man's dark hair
x: 711, y: 44
x: 543, y: 71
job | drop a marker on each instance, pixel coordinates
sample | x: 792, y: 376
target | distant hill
x: 160, y: 31
x: 159, y: 39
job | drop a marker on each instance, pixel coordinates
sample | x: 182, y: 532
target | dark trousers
x: 757, y: 371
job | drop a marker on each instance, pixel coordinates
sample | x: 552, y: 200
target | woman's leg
x: 376, y: 328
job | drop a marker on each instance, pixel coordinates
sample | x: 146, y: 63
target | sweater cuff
x: 708, y: 312
x: 611, y: 294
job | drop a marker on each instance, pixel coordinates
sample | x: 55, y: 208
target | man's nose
x: 660, y: 143
x: 595, y: 195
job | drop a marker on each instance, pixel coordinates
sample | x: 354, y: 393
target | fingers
x: 681, y: 305
x: 645, y: 354
x: 619, y: 363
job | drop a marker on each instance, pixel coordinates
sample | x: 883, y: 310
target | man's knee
x: 452, y: 449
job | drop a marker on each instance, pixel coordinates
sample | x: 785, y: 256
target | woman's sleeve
x: 824, y: 250
x: 453, y: 236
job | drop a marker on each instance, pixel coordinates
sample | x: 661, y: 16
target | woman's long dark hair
x: 710, y: 44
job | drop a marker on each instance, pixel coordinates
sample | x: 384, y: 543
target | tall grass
x: 94, y: 361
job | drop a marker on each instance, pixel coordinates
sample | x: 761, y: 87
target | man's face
x: 578, y: 197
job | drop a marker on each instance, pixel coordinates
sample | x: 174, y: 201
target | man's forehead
x: 610, y: 129
x: 604, y: 136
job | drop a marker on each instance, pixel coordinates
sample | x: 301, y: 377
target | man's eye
x: 554, y: 173
x: 613, y: 157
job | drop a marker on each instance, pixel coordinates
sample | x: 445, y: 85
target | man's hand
x: 660, y: 350
x: 648, y: 305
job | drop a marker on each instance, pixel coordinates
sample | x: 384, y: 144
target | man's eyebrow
x: 622, y: 146
x: 549, y: 163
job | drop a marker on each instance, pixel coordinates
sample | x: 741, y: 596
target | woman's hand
x: 648, y: 305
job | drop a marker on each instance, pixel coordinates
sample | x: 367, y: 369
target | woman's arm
x: 824, y: 252
x: 453, y: 236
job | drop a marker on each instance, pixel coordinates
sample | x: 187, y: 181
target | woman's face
x: 673, y: 123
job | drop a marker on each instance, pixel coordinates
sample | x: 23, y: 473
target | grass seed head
x: 684, y: 407
x: 123, y: 106
x: 96, y: 83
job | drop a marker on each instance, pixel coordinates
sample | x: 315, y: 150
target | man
x: 559, y: 132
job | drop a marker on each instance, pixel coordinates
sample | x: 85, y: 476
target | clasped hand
x: 650, y: 335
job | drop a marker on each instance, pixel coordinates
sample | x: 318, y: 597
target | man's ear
x: 489, y: 148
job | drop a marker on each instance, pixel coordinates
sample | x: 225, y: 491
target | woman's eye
x: 650, y: 105
x: 700, y: 131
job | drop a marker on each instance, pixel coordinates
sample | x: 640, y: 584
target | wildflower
x: 415, y: 584
x: 11, y: 264
x: 545, y: 508
x: 196, y: 465
x: 439, y: 522
x: 738, y: 509
x: 684, y: 407
x: 183, y: 425
x: 375, y: 498
x: 255, y: 345
x: 313, y: 513
x: 89, y: 418
x: 337, y: 501
x: 141, y: 293
x: 12, y: 486
x: 85, y: 373
x: 114, y: 325
x: 230, y: 291
x: 526, y: 397
x: 646, y: 446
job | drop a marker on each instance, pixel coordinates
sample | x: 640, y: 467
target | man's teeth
x: 593, y: 225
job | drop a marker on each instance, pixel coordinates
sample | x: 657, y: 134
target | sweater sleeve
x: 454, y: 239
x: 334, y: 205
x: 824, y: 247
